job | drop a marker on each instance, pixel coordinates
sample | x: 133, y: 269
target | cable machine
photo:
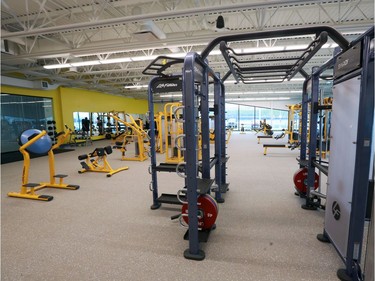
x: 136, y: 134
x: 196, y: 76
x: 173, y: 128
x: 350, y: 169
x: 195, y: 143
x: 350, y: 149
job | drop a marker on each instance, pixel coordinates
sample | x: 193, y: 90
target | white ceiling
x: 46, y: 32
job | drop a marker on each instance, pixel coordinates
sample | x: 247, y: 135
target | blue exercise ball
x: 41, y: 146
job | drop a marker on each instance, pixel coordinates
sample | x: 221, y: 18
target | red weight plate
x: 300, y: 178
x: 206, y: 208
x: 213, y: 201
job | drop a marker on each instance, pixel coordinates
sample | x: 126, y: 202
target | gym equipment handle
x: 32, y: 136
x: 175, y: 114
x: 182, y: 222
x: 176, y: 142
x: 82, y: 157
x: 178, y: 196
x: 178, y: 169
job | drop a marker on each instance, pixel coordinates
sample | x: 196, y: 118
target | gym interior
x: 187, y: 140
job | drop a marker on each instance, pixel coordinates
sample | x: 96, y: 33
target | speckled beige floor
x: 106, y: 230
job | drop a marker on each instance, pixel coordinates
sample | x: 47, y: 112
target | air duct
x: 149, y: 31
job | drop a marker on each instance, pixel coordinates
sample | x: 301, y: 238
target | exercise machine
x: 265, y: 128
x: 38, y: 142
x: 276, y: 145
x: 136, y: 134
x: 114, y: 129
x: 228, y: 134
x: 159, y: 120
x: 173, y: 131
x: 351, y: 163
x: 96, y: 161
x: 60, y: 139
x: 242, y: 129
x: 294, y: 123
x: 195, y: 78
x: 292, y: 132
x: 194, y: 142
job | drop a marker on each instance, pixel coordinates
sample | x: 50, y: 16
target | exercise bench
x: 274, y: 145
x: 263, y: 137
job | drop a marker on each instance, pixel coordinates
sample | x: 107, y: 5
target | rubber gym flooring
x: 107, y: 231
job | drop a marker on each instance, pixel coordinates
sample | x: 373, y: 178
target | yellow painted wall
x: 69, y: 100
x: 39, y: 93
x: 80, y: 100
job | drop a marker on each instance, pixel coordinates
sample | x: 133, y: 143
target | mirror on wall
x: 19, y: 113
x: 99, y: 125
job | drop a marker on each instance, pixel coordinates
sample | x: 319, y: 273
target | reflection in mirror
x: 98, y: 125
x: 19, y: 113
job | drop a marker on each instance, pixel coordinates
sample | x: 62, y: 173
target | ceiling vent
x: 149, y: 31
x: 8, y: 47
x: 41, y: 84
x: 72, y: 70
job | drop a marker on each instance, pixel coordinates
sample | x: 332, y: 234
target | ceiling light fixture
x: 56, y: 66
x: 179, y: 55
x: 117, y: 60
x: 144, y: 58
x: 85, y: 63
x: 136, y: 86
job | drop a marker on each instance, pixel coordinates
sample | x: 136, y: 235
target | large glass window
x: 232, y: 116
x: 19, y: 113
x: 247, y: 117
x: 250, y: 117
x: 279, y: 120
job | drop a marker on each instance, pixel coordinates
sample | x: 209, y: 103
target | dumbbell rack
x: 51, y: 131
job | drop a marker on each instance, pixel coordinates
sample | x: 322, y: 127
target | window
x: 232, y: 116
x: 250, y: 116
x: 247, y: 117
x: 19, y: 113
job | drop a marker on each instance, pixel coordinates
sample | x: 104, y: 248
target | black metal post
x: 191, y: 131
x: 312, y: 139
x: 154, y: 182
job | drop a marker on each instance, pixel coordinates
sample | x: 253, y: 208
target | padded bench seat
x: 274, y: 145
x: 263, y: 137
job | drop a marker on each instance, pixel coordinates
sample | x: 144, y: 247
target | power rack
x: 196, y: 77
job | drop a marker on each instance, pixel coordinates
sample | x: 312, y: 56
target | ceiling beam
x: 151, y: 16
